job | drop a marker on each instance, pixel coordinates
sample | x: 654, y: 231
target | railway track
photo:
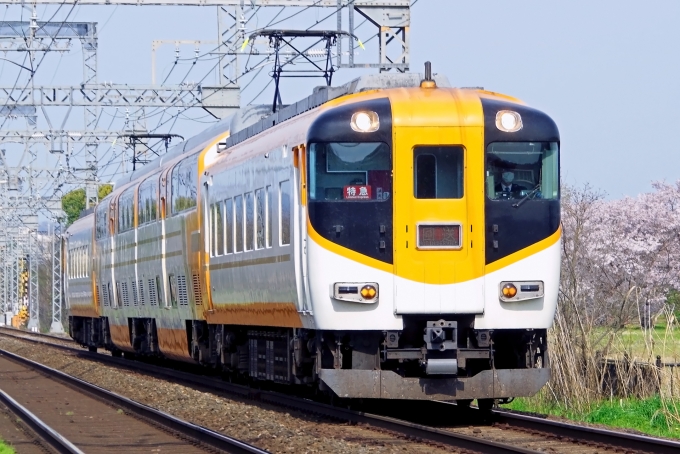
x: 73, y: 416
x: 505, y: 431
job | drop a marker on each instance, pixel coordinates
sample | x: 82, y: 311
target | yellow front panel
x: 429, y: 277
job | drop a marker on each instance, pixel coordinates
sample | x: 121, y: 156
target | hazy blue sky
x: 606, y: 71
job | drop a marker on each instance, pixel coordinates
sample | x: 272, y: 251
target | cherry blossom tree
x: 620, y: 260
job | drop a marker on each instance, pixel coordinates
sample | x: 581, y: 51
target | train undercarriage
x: 431, y: 358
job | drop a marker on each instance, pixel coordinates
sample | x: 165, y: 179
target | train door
x: 300, y: 229
x: 113, y: 218
x: 435, y: 221
x: 206, y: 230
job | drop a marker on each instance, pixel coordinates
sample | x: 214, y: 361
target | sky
x: 606, y: 71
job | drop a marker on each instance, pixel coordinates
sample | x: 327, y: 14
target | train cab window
x: 229, y: 225
x: 184, y: 185
x: 284, y: 212
x: 238, y: 223
x: 438, y: 172
x: 260, y: 221
x: 147, y: 203
x: 101, y: 221
x: 126, y: 210
x: 522, y: 170
x: 350, y: 172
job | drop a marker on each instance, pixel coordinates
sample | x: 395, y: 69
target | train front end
x: 432, y: 246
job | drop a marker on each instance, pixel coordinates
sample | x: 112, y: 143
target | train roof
x: 83, y: 223
x: 253, y: 119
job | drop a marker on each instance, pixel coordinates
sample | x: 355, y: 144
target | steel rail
x: 206, y: 436
x: 397, y: 426
x: 591, y: 434
x: 616, y: 439
x: 49, y: 435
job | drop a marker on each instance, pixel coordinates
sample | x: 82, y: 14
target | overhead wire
x: 35, y: 69
x: 2, y: 66
x: 257, y: 68
x: 210, y: 71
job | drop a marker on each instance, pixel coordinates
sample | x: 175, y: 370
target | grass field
x: 4, y: 449
x: 646, y: 344
x: 655, y: 415
x: 646, y: 415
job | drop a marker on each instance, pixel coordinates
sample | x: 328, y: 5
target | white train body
x: 383, y: 263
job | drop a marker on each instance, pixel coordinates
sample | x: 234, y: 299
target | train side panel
x: 78, y: 269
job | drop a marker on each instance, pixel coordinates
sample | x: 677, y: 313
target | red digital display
x: 434, y: 236
x: 356, y: 192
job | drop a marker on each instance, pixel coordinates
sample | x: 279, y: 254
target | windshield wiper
x: 527, y: 196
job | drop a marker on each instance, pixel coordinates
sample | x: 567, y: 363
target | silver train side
x: 239, y: 250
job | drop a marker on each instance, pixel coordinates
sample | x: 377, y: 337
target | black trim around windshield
x: 509, y: 229
x: 364, y: 227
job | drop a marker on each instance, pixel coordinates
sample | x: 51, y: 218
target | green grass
x: 5, y: 449
x: 639, y: 344
x: 643, y: 415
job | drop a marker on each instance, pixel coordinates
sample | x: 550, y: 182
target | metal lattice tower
x: 33, y: 291
x: 89, y: 46
x: 55, y: 239
x: 34, y: 185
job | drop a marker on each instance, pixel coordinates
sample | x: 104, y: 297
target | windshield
x: 350, y: 172
x: 518, y: 170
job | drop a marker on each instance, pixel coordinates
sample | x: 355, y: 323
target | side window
x: 126, y: 210
x: 269, y: 216
x: 101, y: 221
x: 184, y: 185
x: 284, y: 212
x: 250, y: 221
x: 229, y: 224
x: 212, y: 230
x: 238, y: 223
x: 438, y: 172
x: 173, y: 289
x: 260, y: 218
x: 159, y: 288
x: 147, y: 200
x: 219, y: 228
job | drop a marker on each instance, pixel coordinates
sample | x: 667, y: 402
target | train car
x: 391, y: 238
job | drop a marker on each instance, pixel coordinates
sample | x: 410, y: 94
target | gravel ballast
x: 276, y: 430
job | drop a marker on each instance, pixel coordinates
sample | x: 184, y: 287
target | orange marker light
x: 368, y: 292
x: 509, y: 290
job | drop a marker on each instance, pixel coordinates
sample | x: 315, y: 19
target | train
x: 391, y: 238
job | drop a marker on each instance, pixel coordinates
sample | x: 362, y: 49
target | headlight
x: 509, y: 290
x: 355, y: 292
x: 520, y: 290
x: 365, y: 122
x: 368, y: 292
x: 508, y: 121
